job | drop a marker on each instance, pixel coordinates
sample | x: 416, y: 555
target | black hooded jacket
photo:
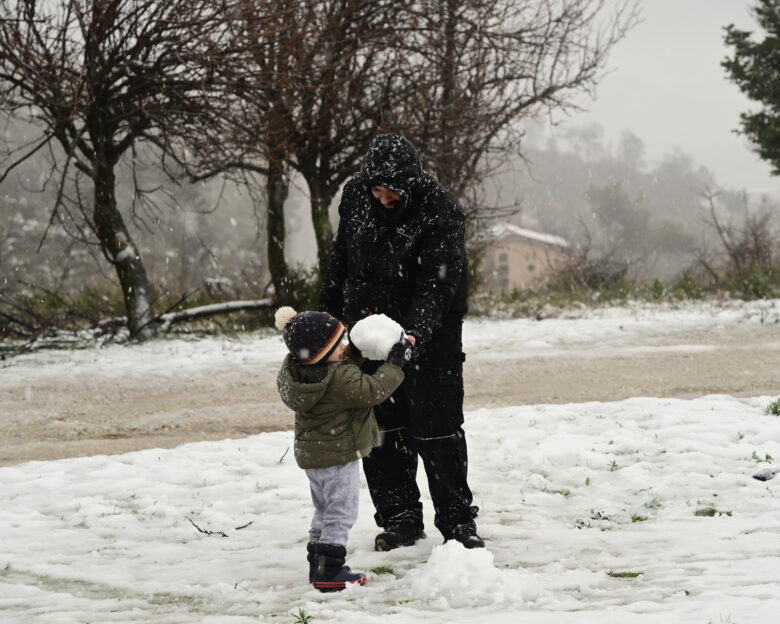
x: 408, y: 262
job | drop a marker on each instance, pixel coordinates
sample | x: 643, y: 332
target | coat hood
x: 392, y: 162
x: 301, y: 387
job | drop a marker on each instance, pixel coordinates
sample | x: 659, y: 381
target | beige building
x: 520, y: 258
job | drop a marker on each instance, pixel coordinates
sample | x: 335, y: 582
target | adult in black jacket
x: 400, y: 251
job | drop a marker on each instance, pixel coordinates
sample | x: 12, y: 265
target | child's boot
x: 311, y: 556
x: 330, y: 573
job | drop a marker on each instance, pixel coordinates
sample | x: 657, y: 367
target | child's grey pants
x: 335, y: 492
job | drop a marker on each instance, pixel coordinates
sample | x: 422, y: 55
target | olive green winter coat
x: 334, y: 419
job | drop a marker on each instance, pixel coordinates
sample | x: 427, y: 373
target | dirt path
x: 70, y: 416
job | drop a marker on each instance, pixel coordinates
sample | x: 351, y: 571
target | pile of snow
x: 375, y: 335
x: 454, y: 577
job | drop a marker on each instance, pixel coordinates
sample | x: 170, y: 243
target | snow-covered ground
x: 643, y: 510
x: 574, y: 333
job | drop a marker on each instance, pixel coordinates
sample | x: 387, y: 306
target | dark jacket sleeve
x: 442, y: 262
x: 332, y: 291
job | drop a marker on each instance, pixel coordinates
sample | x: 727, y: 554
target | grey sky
x: 667, y: 86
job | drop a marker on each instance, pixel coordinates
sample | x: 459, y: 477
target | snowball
x: 375, y: 335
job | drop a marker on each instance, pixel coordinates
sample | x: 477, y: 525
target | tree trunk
x: 448, y: 122
x: 119, y: 248
x: 321, y: 197
x: 277, y: 188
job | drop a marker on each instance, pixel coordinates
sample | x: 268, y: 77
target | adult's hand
x: 401, y: 353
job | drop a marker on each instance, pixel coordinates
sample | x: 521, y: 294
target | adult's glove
x: 400, y: 353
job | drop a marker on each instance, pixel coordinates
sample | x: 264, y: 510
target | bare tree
x: 326, y: 67
x: 748, y: 243
x: 457, y: 77
x: 99, y: 77
x: 478, y: 68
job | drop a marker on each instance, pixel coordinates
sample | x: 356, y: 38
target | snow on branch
x: 191, y: 314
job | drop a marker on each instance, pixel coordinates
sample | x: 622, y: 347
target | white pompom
x: 283, y: 316
x: 375, y: 335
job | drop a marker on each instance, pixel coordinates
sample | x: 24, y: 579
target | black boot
x: 466, y: 534
x: 330, y: 573
x: 399, y: 535
x: 311, y: 556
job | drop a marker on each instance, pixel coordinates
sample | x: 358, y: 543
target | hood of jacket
x: 301, y: 387
x: 392, y: 162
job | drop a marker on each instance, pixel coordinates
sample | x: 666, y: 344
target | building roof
x: 502, y: 230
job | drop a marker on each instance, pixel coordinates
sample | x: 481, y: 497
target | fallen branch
x: 212, y: 310
x: 220, y: 533
x: 207, y: 532
x: 191, y: 314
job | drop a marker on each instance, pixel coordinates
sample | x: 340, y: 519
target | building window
x: 532, y: 267
x: 503, y: 270
x: 503, y: 257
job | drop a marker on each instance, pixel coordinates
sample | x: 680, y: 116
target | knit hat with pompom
x: 310, y: 336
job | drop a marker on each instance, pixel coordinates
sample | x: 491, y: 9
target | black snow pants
x: 423, y: 418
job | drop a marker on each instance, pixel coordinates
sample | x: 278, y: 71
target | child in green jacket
x: 334, y: 428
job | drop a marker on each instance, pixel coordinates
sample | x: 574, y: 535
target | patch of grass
x: 563, y: 492
x: 605, y: 521
x: 383, y: 569
x: 635, y: 517
x: 652, y: 502
x: 587, y: 481
x: 709, y: 511
x: 767, y: 458
x: 773, y: 409
x: 302, y: 617
x: 628, y: 575
x: 613, y: 466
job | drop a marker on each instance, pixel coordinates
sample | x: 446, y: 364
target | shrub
x: 657, y: 289
x: 688, y: 288
x: 303, y: 288
x: 756, y: 285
